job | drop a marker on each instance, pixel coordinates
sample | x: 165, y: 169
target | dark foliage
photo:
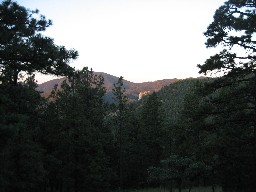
x: 192, y: 132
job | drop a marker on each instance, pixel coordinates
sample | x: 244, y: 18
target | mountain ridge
x: 132, y: 89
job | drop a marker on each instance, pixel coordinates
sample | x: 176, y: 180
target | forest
x: 195, y: 132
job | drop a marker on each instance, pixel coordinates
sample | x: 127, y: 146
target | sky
x: 141, y: 40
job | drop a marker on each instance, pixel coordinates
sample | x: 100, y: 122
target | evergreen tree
x: 151, y: 133
x: 232, y: 97
x: 78, y: 143
x: 121, y: 111
x: 21, y: 156
x: 183, y: 164
x: 24, y: 49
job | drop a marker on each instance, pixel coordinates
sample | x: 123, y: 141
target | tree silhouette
x: 23, y: 48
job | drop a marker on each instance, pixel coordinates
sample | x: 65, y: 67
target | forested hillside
x: 132, y: 89
x: 173, y: 96
x: 194, y: 132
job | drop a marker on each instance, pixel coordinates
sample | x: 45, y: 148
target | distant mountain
x: 133, y: 90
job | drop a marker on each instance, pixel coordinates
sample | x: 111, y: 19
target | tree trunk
x: 213, y: 188
x: 121, y: 153
x: 179, y: 184
x: 15, y: 76
x: 170, y: 189
x: 61, y: 186
x: 45, y: 187
x: 76, y: 185
x: 52, y: 188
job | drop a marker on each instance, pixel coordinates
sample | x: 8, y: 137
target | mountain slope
x: 132, y: 89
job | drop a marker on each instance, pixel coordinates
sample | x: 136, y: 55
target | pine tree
x: 151, y: 133
x: 232, y: 96
x: 76, y: 135
x: 23, y: 47
x: 121, y: 112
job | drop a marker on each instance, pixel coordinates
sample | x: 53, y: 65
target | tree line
x: 194, y: 132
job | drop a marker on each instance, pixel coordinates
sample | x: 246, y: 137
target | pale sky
x: 141, y: 40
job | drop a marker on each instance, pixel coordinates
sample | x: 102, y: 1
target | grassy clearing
x: 194, y: 189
